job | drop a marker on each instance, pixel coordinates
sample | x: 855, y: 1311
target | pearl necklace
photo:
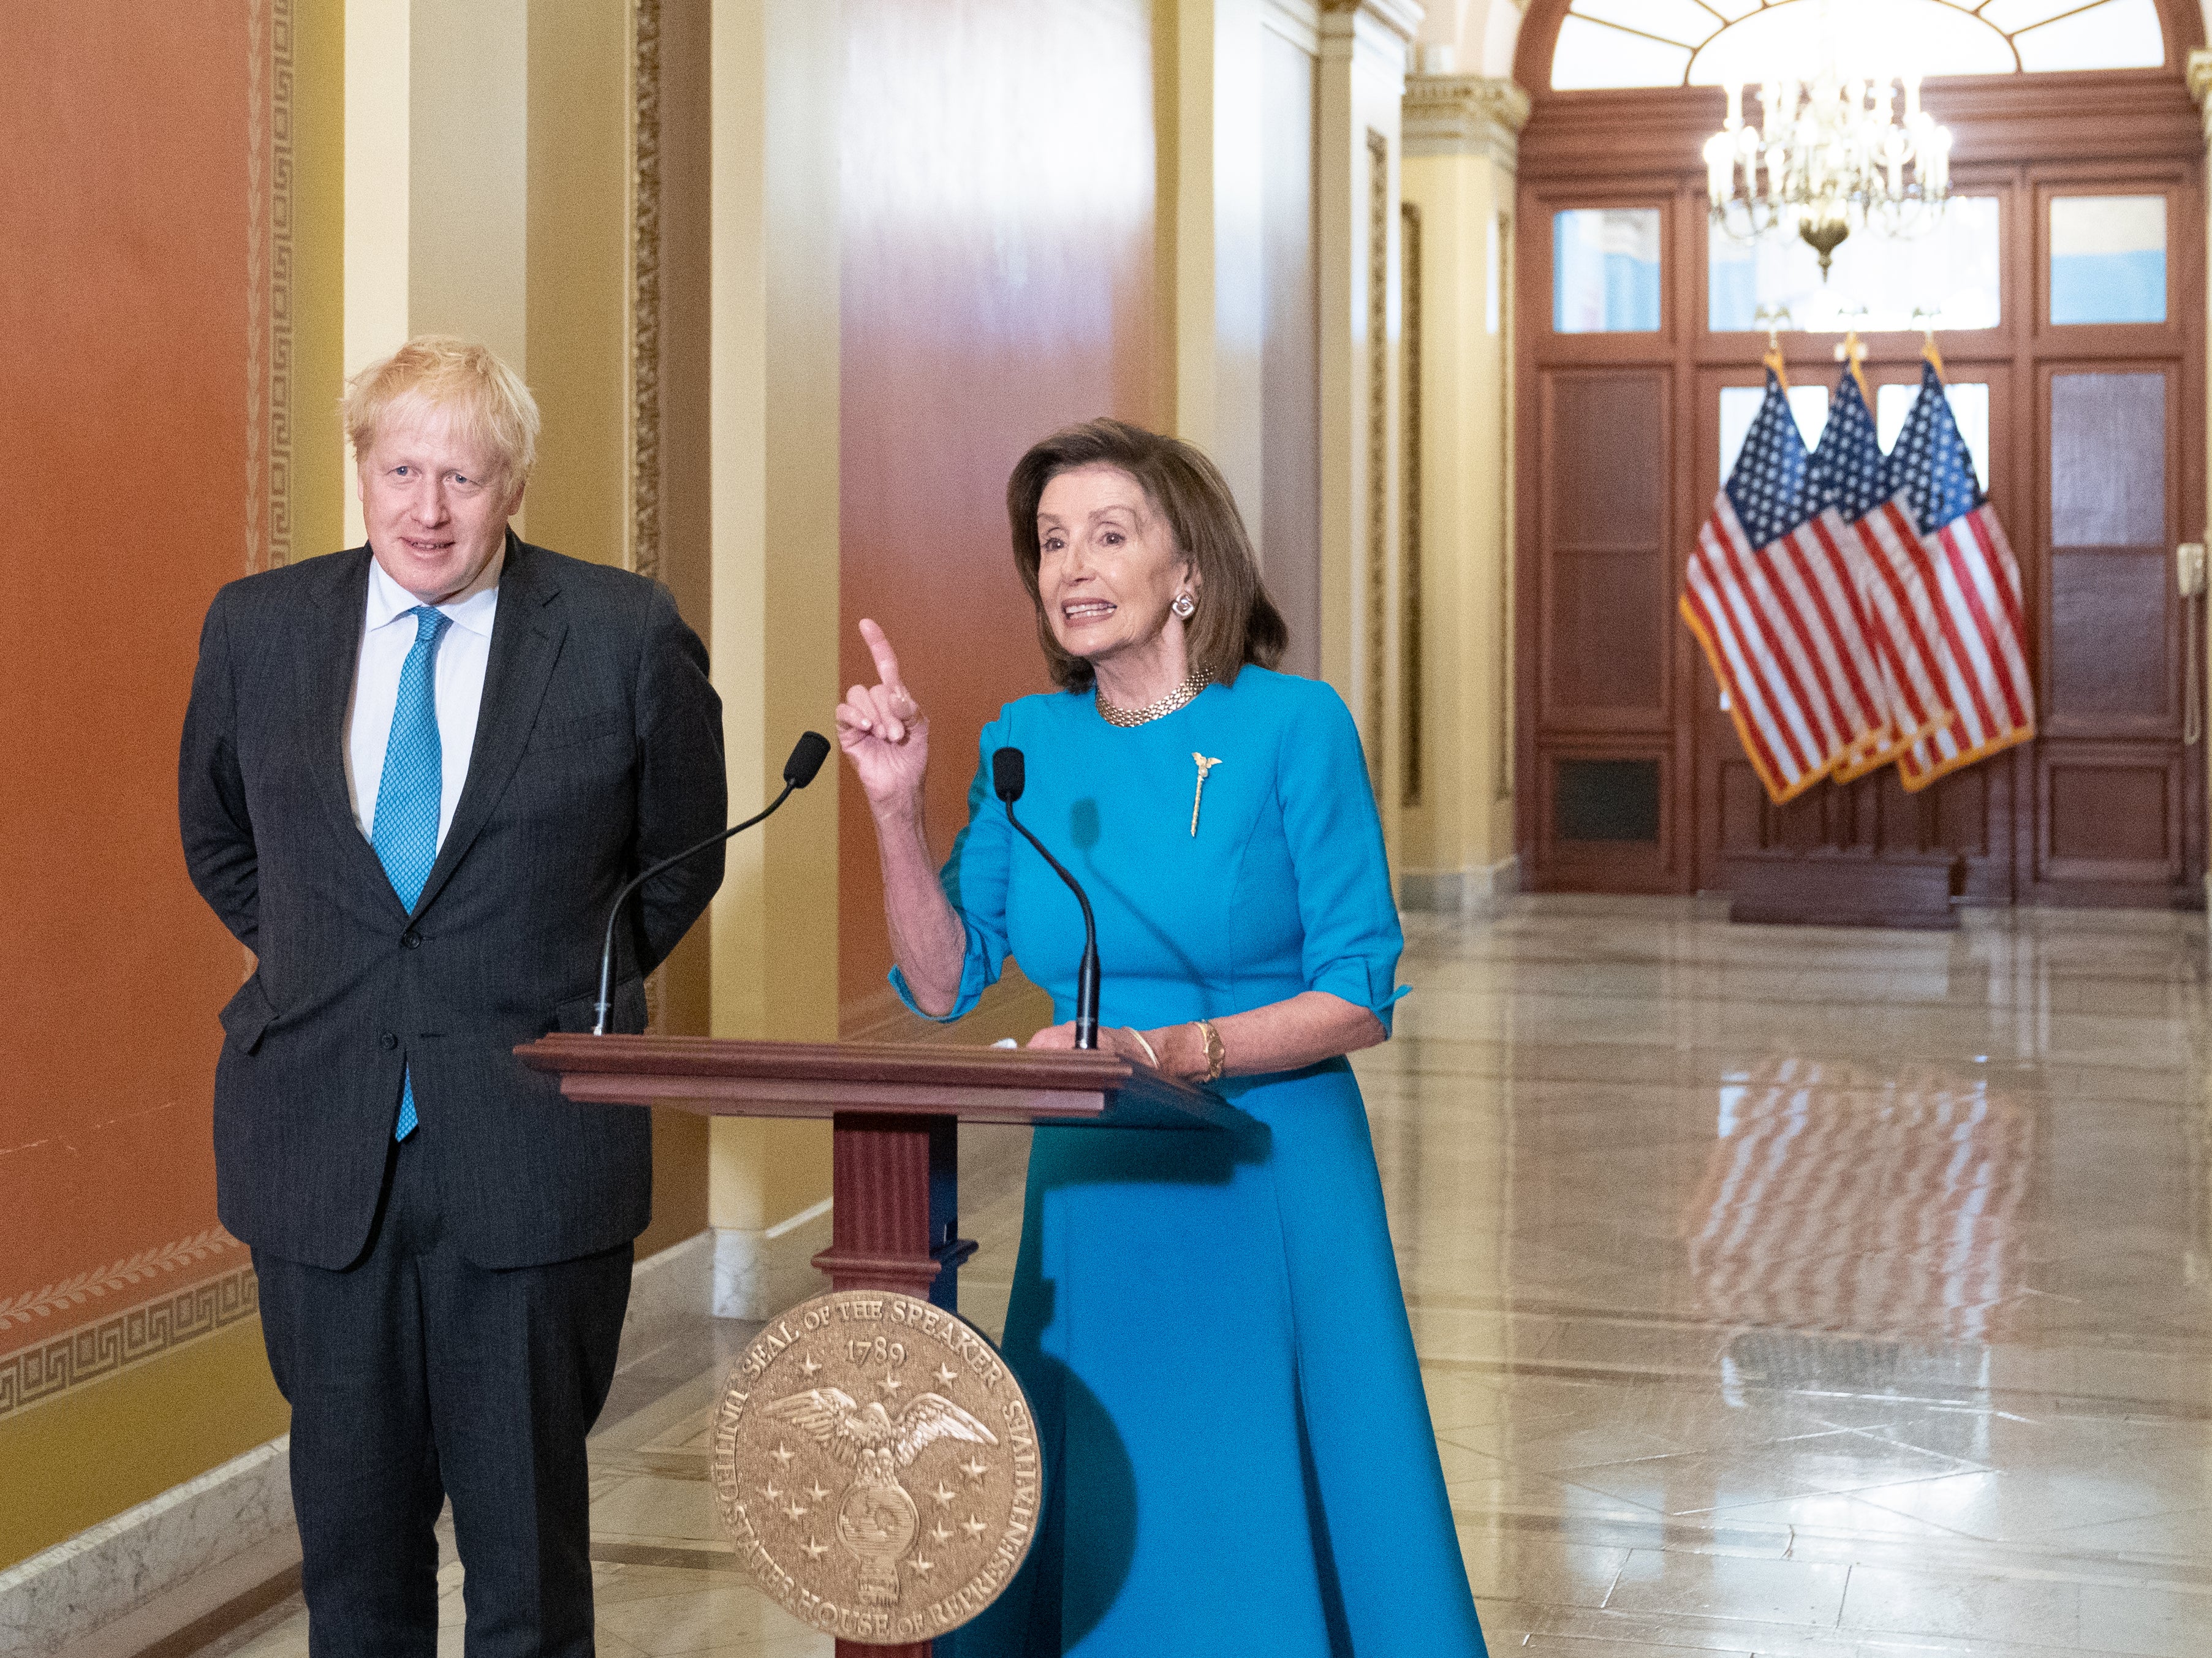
x: 1198, y: 680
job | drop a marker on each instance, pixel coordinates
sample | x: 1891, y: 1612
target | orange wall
x: 997, y: 203
x: 123, y: 413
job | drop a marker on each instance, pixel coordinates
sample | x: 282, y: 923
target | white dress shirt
x: 463, y: 654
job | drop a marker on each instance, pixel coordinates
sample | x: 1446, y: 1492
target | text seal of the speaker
x: 877, y: 1462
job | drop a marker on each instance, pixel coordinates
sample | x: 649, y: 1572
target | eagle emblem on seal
x: 876, y: 1520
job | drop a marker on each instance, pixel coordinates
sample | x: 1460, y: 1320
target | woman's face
x: 1108, y: 567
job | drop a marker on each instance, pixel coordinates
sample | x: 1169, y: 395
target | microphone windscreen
x: 806, y: 757
x: 1007, y: 774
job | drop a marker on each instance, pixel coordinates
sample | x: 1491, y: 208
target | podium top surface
x: 716, y: 1077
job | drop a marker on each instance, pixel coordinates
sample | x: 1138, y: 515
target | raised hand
x: 883, y: 731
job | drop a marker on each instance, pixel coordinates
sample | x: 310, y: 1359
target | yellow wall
x: 577, y: 286
x: 774, y: 533
x: 88, y: 1454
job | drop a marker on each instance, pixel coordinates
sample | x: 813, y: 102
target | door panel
x: 1607, y: 599
x: 2118, y: 792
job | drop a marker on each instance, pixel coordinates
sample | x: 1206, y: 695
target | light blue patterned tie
x: 407, y: 800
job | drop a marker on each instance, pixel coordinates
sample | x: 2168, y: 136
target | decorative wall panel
x: 147, y: 312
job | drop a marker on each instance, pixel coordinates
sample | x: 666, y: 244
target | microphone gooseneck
x: 806, y: 757
x: 1009, y: 775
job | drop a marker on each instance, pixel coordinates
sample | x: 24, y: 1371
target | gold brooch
x: 1205, y: 766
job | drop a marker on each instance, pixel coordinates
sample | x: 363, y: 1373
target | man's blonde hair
x: 487, y: 399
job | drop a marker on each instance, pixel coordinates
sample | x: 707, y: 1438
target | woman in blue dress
x: 1239, y: 1455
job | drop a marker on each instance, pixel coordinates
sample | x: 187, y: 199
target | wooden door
x: 1629, y: 777
x: 2118, y: 787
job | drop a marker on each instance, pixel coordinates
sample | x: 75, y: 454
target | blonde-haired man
x: 413, y: 776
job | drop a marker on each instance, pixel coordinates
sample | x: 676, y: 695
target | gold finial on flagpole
x: 1926, y: 321
x: 1852, y: 351
x: 1774, y: 318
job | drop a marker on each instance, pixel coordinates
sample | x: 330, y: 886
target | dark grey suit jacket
x: 598, y: 749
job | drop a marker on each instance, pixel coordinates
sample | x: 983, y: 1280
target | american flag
x: 1870, y: 522
x: 1773, y: 598
x: 1985, y: 667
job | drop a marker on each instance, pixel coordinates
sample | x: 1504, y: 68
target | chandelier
x: 1830, y: 154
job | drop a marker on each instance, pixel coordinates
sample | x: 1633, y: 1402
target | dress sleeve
x: 1353, y: 939
x: 975, y: 881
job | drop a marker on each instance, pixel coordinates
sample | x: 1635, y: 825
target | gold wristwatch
x: 1215, y: 1056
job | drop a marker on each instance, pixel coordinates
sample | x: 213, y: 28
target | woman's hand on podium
x: 884, y: 733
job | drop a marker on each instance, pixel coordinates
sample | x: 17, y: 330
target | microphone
x: 1009, y: 773
x: 806, y: 757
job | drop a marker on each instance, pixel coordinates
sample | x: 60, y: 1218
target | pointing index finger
x: 887, y: 666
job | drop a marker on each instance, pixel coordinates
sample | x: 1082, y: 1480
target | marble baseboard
x: 757, y: 1274
x: 1475, y: 892
x: 73, y: 1589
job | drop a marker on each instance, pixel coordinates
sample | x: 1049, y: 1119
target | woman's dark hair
x: 1236, y: 623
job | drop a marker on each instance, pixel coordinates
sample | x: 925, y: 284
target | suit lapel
x: 526, y: 634
x: 332, y: 655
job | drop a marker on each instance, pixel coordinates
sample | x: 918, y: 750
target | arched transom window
x: 1670, y: 43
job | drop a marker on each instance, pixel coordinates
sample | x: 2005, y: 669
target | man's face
x: 436, y: 503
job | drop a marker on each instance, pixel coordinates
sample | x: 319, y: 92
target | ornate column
x: 1361, y: 82
x: 778, y: 73
x: 1455, y: 845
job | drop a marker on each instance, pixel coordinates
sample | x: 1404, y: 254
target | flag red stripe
x: 1973, y: 707
x: 1786, y: 629
x: 1759, y: 666
x: 1849, y: 662
x: 1754, y: 724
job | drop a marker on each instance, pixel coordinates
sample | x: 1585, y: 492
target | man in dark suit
x: 413, y: 776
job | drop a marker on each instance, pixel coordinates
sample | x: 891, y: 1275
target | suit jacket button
x: 387, y: 1040
x: 410, y: 939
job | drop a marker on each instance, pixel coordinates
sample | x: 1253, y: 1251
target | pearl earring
x: 1184, y: 606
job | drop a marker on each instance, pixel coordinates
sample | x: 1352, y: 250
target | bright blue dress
x: 1239, y: 1458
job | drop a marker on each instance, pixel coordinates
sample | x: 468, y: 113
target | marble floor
x: 1810, y: 1294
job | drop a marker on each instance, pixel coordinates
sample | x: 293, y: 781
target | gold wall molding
x: 268, y: 283
x: 146, y: 1329
x: 1410, y: 668
x: 1378, y: 450
x: 1464, y: 115
x: 644, y: 461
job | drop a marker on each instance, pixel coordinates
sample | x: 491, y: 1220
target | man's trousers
x: 415, y: 1375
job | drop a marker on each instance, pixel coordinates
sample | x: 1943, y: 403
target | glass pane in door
x: 1605, y: 270
x: 2107, y: 259
x: 1947, y: 275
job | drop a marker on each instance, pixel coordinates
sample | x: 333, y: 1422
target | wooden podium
x: 896, y: 1112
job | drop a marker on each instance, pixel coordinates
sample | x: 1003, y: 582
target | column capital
x: 2199, y: 70
x: 1402, y: 17
x: 1465, y: 115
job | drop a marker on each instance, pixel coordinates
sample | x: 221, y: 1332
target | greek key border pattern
x: 1411, y: 668
x: 280, y: 283
x: 645, y: 289
x: 1378, y: 449
x: 159, y: 1325
x: 268, y: 283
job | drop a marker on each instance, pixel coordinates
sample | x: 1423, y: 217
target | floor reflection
x: 1900, y: 1344
x: 1836, y: 1198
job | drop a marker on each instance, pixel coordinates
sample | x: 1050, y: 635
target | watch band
x: 1216, y: 1057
